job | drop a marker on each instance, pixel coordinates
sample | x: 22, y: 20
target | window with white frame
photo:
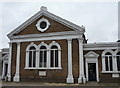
x: 118, y: 61
x: 31, y: 52
x: 108, y: 62
x: 43, y: 56
x: 32, y: 56
x: 54, y: 56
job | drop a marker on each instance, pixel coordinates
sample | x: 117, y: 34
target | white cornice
x: 42, y: 35
x: 50, y: 15
x: 58, y: 37
x: 47, y: 36
x: 101, y: 46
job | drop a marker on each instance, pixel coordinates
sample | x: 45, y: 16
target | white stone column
x: 9, y: 62
x: 70, y: 78
x: 3, y: 71
x: 17, y: 74
x: 81, y: 78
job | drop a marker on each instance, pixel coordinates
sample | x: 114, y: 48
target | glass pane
x: 52, y: 59
x: 43, y: 25
x: 56, y: 58
x: 41, y: 55
x: 118, y: 53
x: 32, y: 48
x: 118, y: 63
x: 108, y: 53
x: 106, y: 62
x: 111, y: 68
x: 45, y: 58
x: 43, y: 47
x: 30, y: 58
x: 54, y: 47
x: 34, y: 58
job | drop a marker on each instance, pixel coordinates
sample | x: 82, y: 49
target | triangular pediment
x: 57, y: 24
x: 91, y: 54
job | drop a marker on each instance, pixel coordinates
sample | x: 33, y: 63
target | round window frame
x: 40, y: 21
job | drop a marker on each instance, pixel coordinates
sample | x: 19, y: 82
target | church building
x: 48, y: 48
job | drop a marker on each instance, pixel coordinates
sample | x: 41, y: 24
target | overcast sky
x: 99, y: 18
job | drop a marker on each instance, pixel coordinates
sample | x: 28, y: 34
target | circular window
x: 42, y: 25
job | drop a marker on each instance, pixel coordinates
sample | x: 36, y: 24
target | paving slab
x: 58, y: 85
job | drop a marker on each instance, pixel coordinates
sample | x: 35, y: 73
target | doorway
x: 91, y: 71
x: 91, y: 64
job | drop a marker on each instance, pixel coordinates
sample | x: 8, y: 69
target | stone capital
x: 70, y: 39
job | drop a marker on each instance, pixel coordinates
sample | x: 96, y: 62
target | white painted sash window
x: 43, y: 56
x: 108, y: 62
x: 54, y: 56
x: 32, y: 56
x: 111, y: 62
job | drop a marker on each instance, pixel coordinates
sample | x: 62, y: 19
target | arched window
x: 108, y: 61
x: 118, y: 61
x: 55, y: 55
x: 31, y: 53
x: 43, y: 56
x: 32, y: 56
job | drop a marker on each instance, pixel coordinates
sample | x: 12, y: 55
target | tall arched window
x: 55, y: 55
x: 32, y: 56
x: 43, y: 56
x: 31, y: 53
x: 118, y: 61
x: 108, y: 61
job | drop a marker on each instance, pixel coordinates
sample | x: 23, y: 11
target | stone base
x: 3, y: 77
x: 70, y: 80
x: 9, y: 78
x: 16, y: 79
x: 81, y: 80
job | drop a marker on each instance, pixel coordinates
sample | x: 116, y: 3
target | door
x: 92, y: 71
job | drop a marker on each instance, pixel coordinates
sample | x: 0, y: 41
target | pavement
x: 58, y: 85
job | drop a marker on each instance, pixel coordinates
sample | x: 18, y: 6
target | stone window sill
x: 110, y: 72
x: 31, y: 68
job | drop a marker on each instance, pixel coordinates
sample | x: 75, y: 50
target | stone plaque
x: 42, y: 73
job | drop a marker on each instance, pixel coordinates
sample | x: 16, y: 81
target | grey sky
x: 99, y: 18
